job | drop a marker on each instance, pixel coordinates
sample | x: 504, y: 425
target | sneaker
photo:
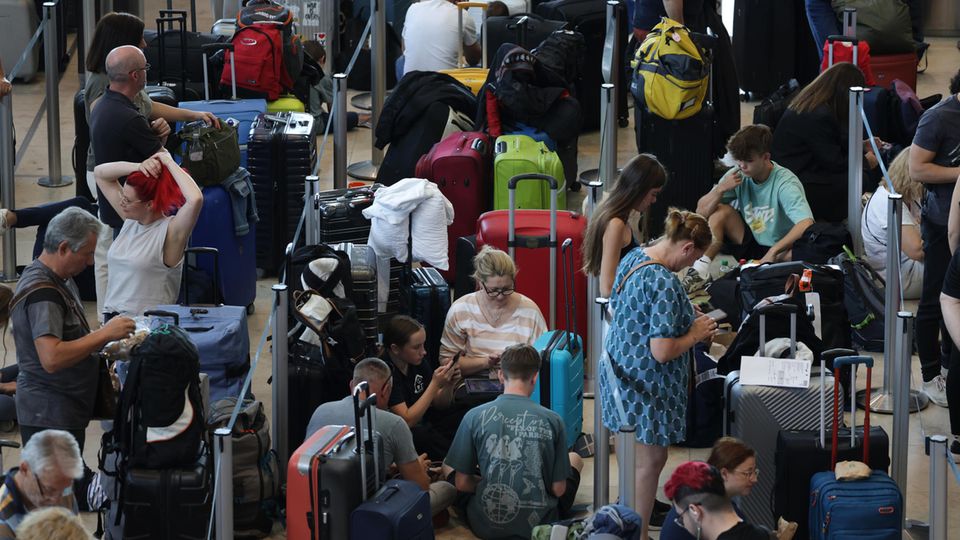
x: 693, y: 282
x: 3, y: 220
x: 936, y: 390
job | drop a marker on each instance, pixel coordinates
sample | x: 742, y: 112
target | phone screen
x: 717, y: 315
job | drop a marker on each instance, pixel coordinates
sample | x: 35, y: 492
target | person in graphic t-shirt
x: 758, y: 209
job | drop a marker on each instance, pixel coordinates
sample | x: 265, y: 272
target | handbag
x: 105, y: 400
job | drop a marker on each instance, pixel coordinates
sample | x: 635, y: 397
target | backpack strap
x: 69, y: 302
x: 623, y: 281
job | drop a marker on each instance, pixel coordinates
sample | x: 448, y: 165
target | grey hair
x: 119, y: 65
x: 53, y: 449
x: 73, y: 226
x: 370, y: 369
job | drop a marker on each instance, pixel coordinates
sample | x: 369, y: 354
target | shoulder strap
x: 69, y: 302
x: 634, y: 269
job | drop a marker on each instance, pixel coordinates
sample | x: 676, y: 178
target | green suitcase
x: 520, y: 154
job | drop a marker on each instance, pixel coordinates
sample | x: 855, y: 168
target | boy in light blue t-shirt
x: 758, y: 209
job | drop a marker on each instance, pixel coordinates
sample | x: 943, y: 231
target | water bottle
x: 196, y: 151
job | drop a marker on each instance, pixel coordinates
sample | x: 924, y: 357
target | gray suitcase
x: 756, y: 414
x: 363, y: 271
x: 19, y: 20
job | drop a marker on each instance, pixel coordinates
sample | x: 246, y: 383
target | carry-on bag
x: 473, y: 78
x: 889, y: 67
x: 870, y: 508
x: 175, y: 55
x: 756, y: 414
x: 460, y: 166
x: 340, y: 213
x: 167, y: 504
x: 399, y: 511
x: 802, y: 454
x: 332, y: 473
x: 524, y: 29
x: 770, y: 40
x: 850, y: 49
x: 560, y: 384
x: 363, y: 273
x: 426, y: 298
x: 527, y: 234
x: 518, y: 155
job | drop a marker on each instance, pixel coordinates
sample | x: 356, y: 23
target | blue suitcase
x: 399, y: 511
x: 870, y: 508
x: 240, y: 112
x: 215, y: 228
x: 560, y: 384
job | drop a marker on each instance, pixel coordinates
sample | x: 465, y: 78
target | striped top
x: 467, y: 330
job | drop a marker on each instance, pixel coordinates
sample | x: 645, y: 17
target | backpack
x: 670, y: 74
x: 819, y: 242
x: 563, y: 52
x: 210, y: 153
x: 267, y: 12
x: 258, y: 60
x: 864, y: 300
x: 771, y: 109
x: 160, y: 415
x: 705, y: 405
x: 256, y: 468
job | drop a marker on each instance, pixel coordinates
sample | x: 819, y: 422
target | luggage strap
x: 623, y: 281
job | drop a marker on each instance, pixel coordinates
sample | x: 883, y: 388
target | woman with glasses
x: 480, y: 325
x: 702, y: 507
x: 146, y: 258
x: 737, y: 464
x: 649, y: 344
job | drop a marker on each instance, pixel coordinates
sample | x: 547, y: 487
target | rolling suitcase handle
x: 850, y: 22
x: 854, y: 42
x: 171, y: 17
x: 825, y: 356
x: 535, y: 241
x: 571, y: 308
x: 368, y: 405
x: 837, y: 364
x: 217, y: 294
x: 162, y: 313
x: 763, y: 311
x: 464, y: 6
x: 206, y: 76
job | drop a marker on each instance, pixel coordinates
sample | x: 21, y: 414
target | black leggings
x: 930, y: 327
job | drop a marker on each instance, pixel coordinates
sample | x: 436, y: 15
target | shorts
x: 746, y: 250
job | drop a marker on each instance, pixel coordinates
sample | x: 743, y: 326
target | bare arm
x: 415, y: 472
x: 923, y: 169
x: 612, y: 244
x: 785, y: 243
x: 181, y: 226
x: 473, y: 53
x: 176, y: 114
x: 56, y: 354
x: 440, y: 384
x: 950, y: 307
x: 709, y: 202
x: 107, y: 174
x: 912, y: 244
x: 667, y: 349
x: 674, y: 9
x: 559, y: 488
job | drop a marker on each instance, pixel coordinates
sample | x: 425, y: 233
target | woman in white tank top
x: 146, y: 258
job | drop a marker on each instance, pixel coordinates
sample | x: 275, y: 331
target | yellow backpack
x: 670, y: 76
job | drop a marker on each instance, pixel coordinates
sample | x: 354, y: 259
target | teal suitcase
x: 520, y: 154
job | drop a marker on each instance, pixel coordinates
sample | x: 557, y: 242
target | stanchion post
x: 855, y: 168
x: 901, y: 401
x: 223, y: 502
x: 367, y: 170
x: 939, y: 476
x: 51, y: 72
x: 7, y: 167
x: 280, y: 360
x: 89, y: 22
x: 608, y: 133
x: 891, y: 299
x: 339, y: 130
x: 311, y: 225
x: 627, y: 466
x: 601, y: 436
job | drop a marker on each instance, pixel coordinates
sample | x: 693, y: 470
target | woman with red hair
x: 146, y: 258
x: 702, y: 506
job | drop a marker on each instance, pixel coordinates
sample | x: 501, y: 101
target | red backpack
x: 268, y: 12
x: 258, y: 60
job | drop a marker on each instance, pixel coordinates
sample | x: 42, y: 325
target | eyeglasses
x: 146, y: 67
x: 125, y: 201
x: 47, y: 494
x: 752, y: 473
x: 493, y: 293
x: 679, y: 519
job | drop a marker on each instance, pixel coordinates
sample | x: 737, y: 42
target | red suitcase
x: 532, y: 253
x: 460, y: 166
x: 888, y: 67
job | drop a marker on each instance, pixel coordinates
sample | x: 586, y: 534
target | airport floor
x: 29, y: 101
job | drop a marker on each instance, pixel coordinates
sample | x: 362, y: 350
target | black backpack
x: 864, y: 300
x: 820, y: 242
x: 160, y: 415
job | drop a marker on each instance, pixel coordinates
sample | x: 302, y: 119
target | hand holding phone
x: 717, y: 315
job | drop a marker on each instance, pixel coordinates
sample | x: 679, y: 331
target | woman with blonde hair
x: 649, y: 344
x: 52, y: 522
x: 873, y: 226
x: 480, y: 325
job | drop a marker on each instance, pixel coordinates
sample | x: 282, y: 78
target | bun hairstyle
x: 683, y: 225
x: 695, y: 478
x: 162, y: 191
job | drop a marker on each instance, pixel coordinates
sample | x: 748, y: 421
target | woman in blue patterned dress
x: 653, y: 330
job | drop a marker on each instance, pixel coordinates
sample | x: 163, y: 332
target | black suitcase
x: 524, y: 29
x: 463, y: 281
x: 310, y: 383
x: 340, y: 213
x: 400, y: 161
x: 363, y: 271
x: 167, y: 503
x: 281, y: 153
x: 800, y: 455
x: 175, y: 56
x: 426, y: 298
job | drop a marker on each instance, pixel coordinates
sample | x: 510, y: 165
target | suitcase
x: 870, y: 508
x: 756, y: 414
x: 888, y: 67
x: 167, y: 503
x: 327, y: 478
x: 224, y: 27
x: 524, y: 29
x: 802, y: 454
x: 401, y: 157
x: 399, y: 511
x: 519, y: 154
x: 340, y: 213
x: 239, y: 112
x: 426, y: 298
x: 459, y: 165
x: 215, y: 228
x: 282, y: 151
x: 532, y: 230
x: 19, y: 19
x: 472, y: 77
x: 465, y: 252
x: 363, y: 271
x: 768, y: 41
x: 560, y: 384
x: 310, y: 383
x: 176, y: 55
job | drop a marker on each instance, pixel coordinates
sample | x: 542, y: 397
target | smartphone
x: 717, y: 315
x: 483, y: 386
x: 455, y: 359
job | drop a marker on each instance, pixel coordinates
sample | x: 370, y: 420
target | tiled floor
x: 31, y: 134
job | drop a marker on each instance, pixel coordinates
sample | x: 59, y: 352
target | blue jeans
x: 823, y: 22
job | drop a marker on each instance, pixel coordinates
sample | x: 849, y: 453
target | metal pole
x: 331, y: 34
x: 367, y: 170
x: 311, y: 227
x: 901, y: 401
x: 938, y: 487
x: 223, y: 503
x: 855, y: 168
x: 339, y: 130
x: 51, y: 72
x: 7, y: 200
x: 280, y: 360
x: 627, y: 466
x: 601, y: 437
x: 608, y: 134
x: 594, y: 316
x: 89, y: 21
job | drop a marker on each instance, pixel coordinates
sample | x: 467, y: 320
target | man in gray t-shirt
x: 55, y: 347
x: 392, y: 432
